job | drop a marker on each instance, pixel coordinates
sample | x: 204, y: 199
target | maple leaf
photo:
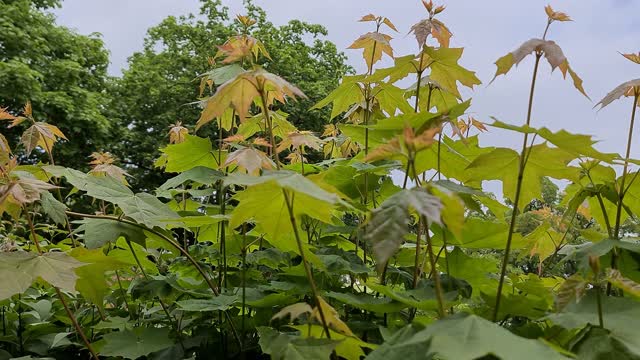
x: 551, y: 51
x: 434, y: 27
x: 633, y: 57
x: 5, y: 115
x: 300, y: 140
x: 373, y: 45
x: 250, y: 159
x: 556, y: 15
x: 331, y: 317
x: 245, y: 20
x: 41, y: 134
x: 5, y: 149
x: 240, y: 92
x: 102, y: 165
x: 379, y: 20
x: 177, y: 133
x: 22, y: 190
x: 446, y: 71
x: 240, y: 47
x: 629, y: 88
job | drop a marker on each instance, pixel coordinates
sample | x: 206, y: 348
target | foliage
x: 162, y: 85
x: 255, y: 249
x: 61, y: 73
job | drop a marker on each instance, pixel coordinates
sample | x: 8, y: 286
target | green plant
x: 253, y: 249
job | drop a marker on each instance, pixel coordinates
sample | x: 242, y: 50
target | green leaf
x: 478, y: 233
x: 368, y: 302
x: 53, y: 208
x: 446, y: 71
x: 578, y: 145
x: 220, y: 302
x: 502, y: 164
x: 91, y: 281
x: 143, y: 208
x: 132, y: 344
x: 616, y: 313
x: 596, y: 343
x: 193, y: 152
x: 476, y: 270
x: 98, y: 232
x: 200, y: 174
x: 287, y: 347
x: 345, y: 95
x: 389, y: 223
x: 20, y: 269
x: 462, y: 337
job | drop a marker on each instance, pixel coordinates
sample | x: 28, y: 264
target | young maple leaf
x: 633, y: 57
x: 436, y: 28
x: 373, y: 44
x: 5, y: 115
x: 42, y: 135
x: 627, y: 89
x: 551, y: 51
x: 556, y: 15
x: 331, y: 317
x: 379, y: 20
x: 250, y: 160
x: 21, y: 190
x: 300, y: 140
x: 245, y: 20
x: 240, y: 92
x: 240, y: 47
x: 177, y: 133
x: 103, y: 165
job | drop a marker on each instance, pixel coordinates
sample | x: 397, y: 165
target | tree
x: 161, y: 85
x: 62, y: 73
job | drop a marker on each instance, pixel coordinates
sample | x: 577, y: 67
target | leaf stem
x: 60, y: 295
x: 514, y: 214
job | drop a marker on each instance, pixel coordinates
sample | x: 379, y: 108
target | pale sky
x: 486, y: 29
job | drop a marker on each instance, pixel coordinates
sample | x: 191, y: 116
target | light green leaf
x: 53, y: 208
x: 287, y: 347
x: 20, y: 269
x: 463, y: 337
x: 193, y: 152
x: 132, y: 344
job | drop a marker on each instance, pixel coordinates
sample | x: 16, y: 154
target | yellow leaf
x: 633, y: 57
x: 331, y: 317
x: 556, y: 15
x: 373, y: 45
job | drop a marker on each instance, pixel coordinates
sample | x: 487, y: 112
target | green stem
x: 73, y: 319
x: 625, y: 169
x: 512, y: 224
x: 272, y: 138
x: 314, y: 290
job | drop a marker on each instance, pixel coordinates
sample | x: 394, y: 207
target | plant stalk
x: 289, y: 201
x: 514, y: 214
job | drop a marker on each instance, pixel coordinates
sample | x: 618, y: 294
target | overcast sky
x: 486, y: 29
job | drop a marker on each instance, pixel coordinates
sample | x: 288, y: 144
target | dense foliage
x: 386, y: 248
x: 62, y: 73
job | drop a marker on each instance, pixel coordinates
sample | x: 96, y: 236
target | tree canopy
x: 63, y: 75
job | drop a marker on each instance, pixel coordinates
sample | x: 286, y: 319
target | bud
x: 428, y: 5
